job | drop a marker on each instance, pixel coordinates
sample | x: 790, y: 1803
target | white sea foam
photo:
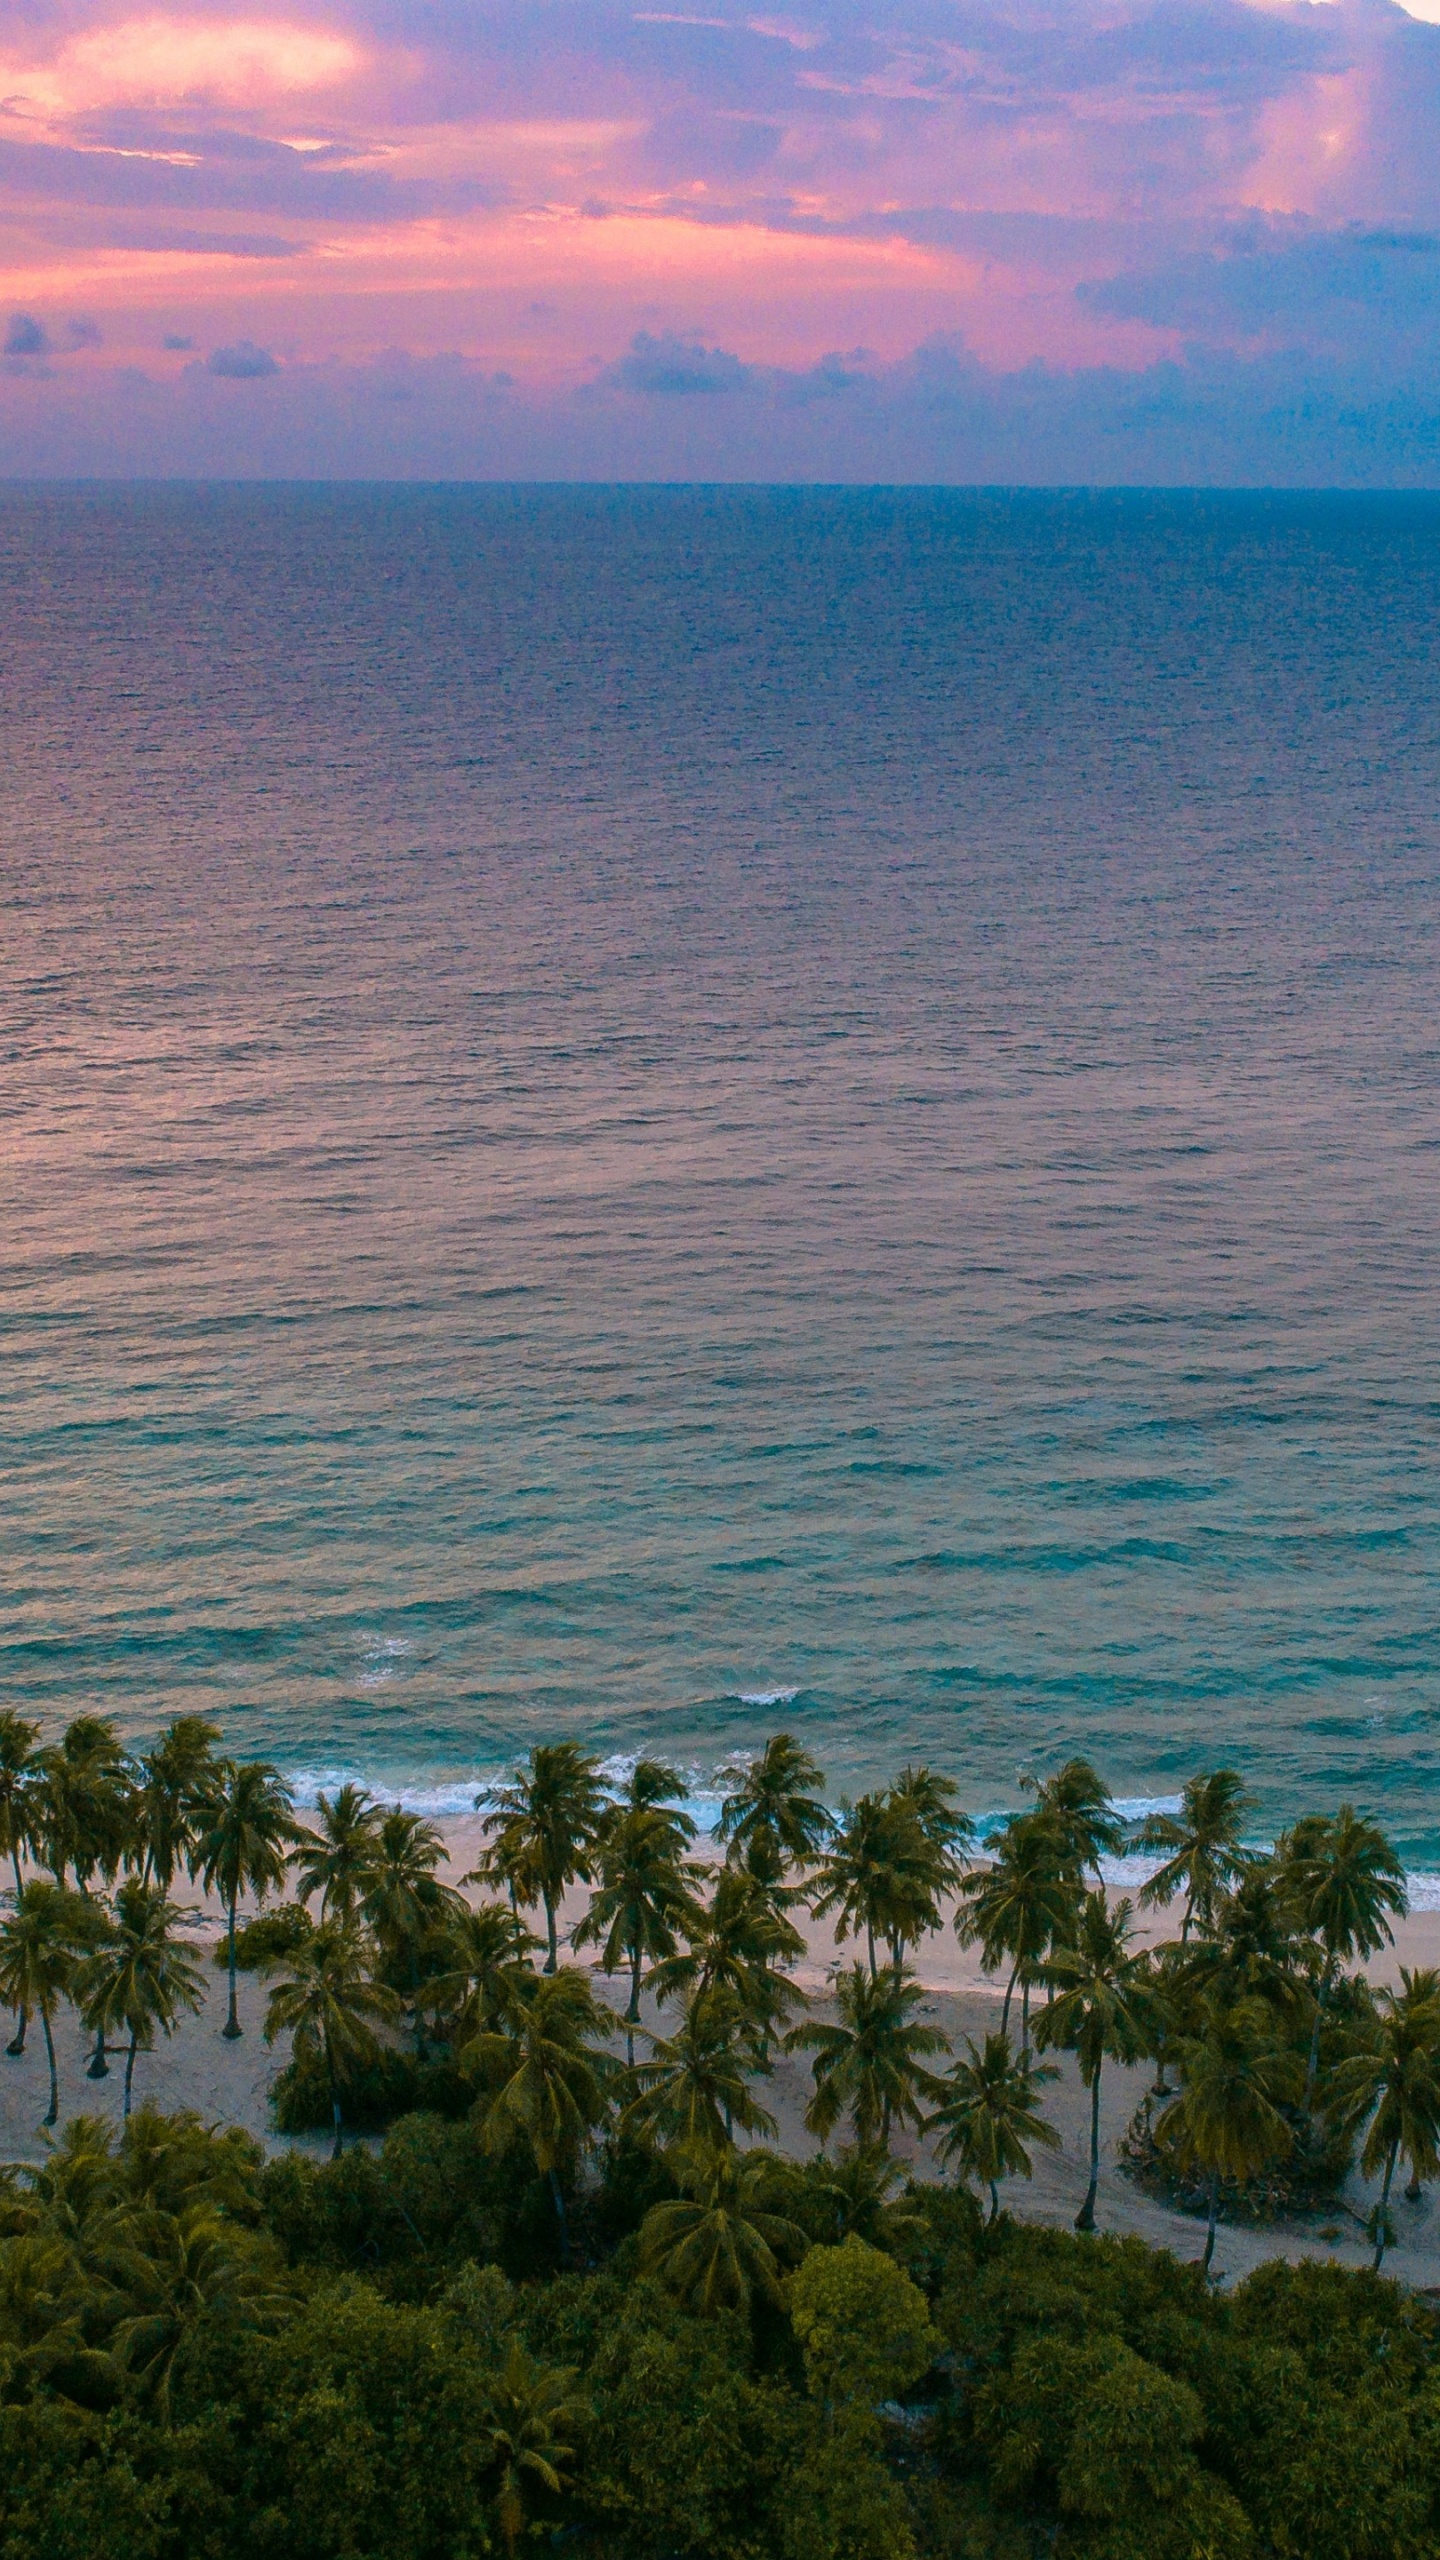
x: 766, y: 1697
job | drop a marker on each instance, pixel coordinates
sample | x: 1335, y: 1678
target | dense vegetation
x: 578, y: 2297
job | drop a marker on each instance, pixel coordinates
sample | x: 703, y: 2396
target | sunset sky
x: 1187, y: 239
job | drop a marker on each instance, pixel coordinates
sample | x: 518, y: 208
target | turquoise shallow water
x: 621, y: 1104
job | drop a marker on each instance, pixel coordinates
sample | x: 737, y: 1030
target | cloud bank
x: 1189, y: 239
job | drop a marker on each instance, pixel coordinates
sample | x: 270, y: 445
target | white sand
x: 230, y: 2083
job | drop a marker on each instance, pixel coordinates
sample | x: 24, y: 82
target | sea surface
x: 652, y: 1113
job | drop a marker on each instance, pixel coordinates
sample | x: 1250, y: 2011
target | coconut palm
x: 695, y: 2087
x: 20, y: 1779
x: 879, y: 1874
x: 1076, y: 1803
x: 1019, y: 1906
x: 869, y: 2065
x: 1100, y: 2006
x: 170, y: 2271
x: 402, y: 1898
x: 653, y: 1786
x: 643, y: 1899
x: 548, y: 1816
x: 138, y: 1977
x: 243, y: 1830
x: 931, y: 1797
x: 720, y: 2243
x: 173, y: 1781
x: 553, y: 2078
x: 85, y: 1814
x: 1392, y: 2085
x: 483, y: 1970
x: 1252, y: 1950
x: 857, y: 2184
x: 1344, y: 1883
x: 988, y: 2118
x: 737, y: 1945
x: 337, y: 1858
x: 38, y: 1944
x: 1226, y: 2120
x: 1204, y: 1854
x: 775, y: 1811
x: 532, y: 2413
x: 328, y: 2000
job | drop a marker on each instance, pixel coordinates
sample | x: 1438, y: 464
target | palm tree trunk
x: 232, y: 2027
x: 870, y: 1943
x: 98, y: 2068
x: 1382, y: 2209
x: 22, y: 2014
x: 1312, y: 2064
x: 1025, y: 2018
x: 562, y: 2218
x: 553, y: 1958
x: 54, y: 2115
x: 1210, y: 2225
x: 334, y: 2098
x: 130, y: 2068
x: 1085, y: 2218
x: 1009, y: 1996
x: 632, y: 2014
x: 994, y: 2201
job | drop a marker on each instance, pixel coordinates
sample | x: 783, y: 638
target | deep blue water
x: 615, y: 1103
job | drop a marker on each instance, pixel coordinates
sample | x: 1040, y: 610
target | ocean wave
x: 765, y: 1697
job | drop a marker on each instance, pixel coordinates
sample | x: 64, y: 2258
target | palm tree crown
x: 988, y: 2116
x: 337, y: 1858
x: 139, y: 1977
x: 870, y: 2064
x: 1100, y: 2005
x: 775, y: 1810
x: 329, y: 2001
x: 243, y: 1830
x: 722, y: 2242
x: 547, y: 1818
x: 1205, y: 1854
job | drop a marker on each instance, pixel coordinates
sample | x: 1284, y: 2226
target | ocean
x: 650, y: 1113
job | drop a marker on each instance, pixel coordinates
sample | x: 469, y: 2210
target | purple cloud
x: 244, y: 362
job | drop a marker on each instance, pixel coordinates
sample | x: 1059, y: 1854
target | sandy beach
x: 230, y: 2083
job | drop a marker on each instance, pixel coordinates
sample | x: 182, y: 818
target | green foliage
x: 267, y: 1939
x: 375, y: 2089
x: 864, y: 2329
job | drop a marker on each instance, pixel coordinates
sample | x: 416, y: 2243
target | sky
x: 897, y: 240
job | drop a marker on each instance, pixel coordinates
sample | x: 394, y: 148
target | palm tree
x: 174, y: 1780
x: 20, y: 1778
x: 1076, y: 1803
x: 774, y: 1810
x: 548, y: 1816
x: 720, y: 2244
x: 653, y: 1786
x: 337, y: 1859
x: 401, y: 1896
x: 171, y: 2270
x: 1393, y: 2082
x: 1100, y: 2005
x: 869, y: 2065
x: 695, y: 2087
x: 988, y: 2117
x: 1206, y: 1856
x: 1252, y: 1951
x: 552, y: 2078
x: 737, y: 1945
x: 931, y: 1798
x: 85, y: 1802
x: 879, y: 1874
x: 138, y: 1977
x: 330, y: 2003
x: 858, y: 2185
x: 19, y: 1809
x: 643, y: 1898
x: 483, y: 1962
x: 531, y: 2411
x: 243, y: 1830
x: 1226, y: 2120
x: 37, y: 1962
x: 1344, y: 1881
x: 1019, y: 1906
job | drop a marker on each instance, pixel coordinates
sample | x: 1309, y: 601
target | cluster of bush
x: 208, y: 2356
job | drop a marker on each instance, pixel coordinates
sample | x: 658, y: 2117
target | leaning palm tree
x: 1019, y: 1907
x: 548, y: 1816
x: 775, y: 1810
x: 1076, y: 1803
x: 138, y: 1977
x: 337, y: 1858
x: 1392, y: 2085
x: 988, y: 2117
x: 553, y: 2078
x: 739, y: 1944
x: 38, y: 1945
x: 1100, y: 2006
x: 721, y: 2243
x: 643, y: 1900
x: 330, y: 2003
x: 870, y: 2064
x: 243, y: 1830
x: 1345, y: 1883
x: 174, y: 1779
x: 1205, y: 1855
x: 695, y: 2088
x: 532, y: 2413
x: 482, y: 1971
x: 1227, y: 2119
